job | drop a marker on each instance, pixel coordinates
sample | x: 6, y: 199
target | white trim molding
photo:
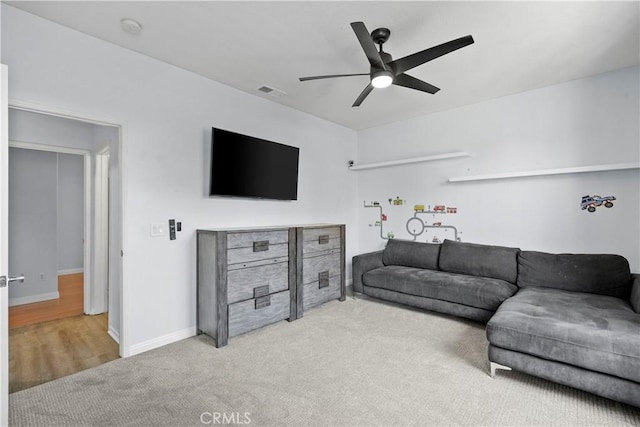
x: 161, y: 341
x: 49, y: 148
x: 99, y: 298
x: 33, y: 298
x: 114, y: 334
x: 57, y: 111
x: 70, y: 271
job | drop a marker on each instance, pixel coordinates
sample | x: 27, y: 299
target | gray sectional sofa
x: 572, y: 319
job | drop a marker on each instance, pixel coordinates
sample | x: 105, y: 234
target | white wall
x: 33, y: 236
x: 583, y: 122
x: 25, y: 126
x: 70, y: 213
x: 167, y: 114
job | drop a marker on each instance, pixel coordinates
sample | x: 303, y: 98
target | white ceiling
x: 518, y: 46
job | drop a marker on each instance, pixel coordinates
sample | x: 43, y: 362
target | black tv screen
x: 244, y: 166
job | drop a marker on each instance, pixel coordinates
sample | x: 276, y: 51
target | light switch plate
x: 158, y: 229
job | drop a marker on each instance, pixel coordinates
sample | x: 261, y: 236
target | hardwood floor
x: 47, y: 351
x: 70, y: 303
x: 53, y: 339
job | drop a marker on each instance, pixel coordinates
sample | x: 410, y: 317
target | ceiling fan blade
x: 367, y: 90
x: 331, y: 76
x: 406, y: 80
x: 368, y: 45
x: 408, y: 62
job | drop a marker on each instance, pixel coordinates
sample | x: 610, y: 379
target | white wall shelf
x: 409, y: 161
x: 561, y: 171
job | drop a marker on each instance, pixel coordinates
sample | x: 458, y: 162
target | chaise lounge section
x: 572, y: 319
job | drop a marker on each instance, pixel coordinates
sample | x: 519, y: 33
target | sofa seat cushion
x: 472, y: 291
x: 596, y: 332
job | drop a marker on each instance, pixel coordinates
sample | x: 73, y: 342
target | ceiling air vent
x: 268, y: 90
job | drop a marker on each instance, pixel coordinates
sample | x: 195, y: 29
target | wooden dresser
x: 249, y: 278
x: 320, y: 262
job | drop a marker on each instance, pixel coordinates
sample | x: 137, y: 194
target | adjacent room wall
x: 46, y: 222
x: 167, y: 114
x: 70, y: 213
x: 33, y: 128
x: 584, y: 122
x: 33, y: 238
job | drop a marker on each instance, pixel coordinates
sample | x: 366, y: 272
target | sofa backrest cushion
x: 590, y: 273
x: 498, y: 262
x: 411, y: 254
x: 635, y: 292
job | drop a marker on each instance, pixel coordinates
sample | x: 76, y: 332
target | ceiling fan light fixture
x: 381, y: 79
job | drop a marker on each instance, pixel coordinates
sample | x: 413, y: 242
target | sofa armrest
x: 363, y: 263
x: 635, y: 292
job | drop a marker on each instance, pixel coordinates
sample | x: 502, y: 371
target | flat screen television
x: 248, y: 167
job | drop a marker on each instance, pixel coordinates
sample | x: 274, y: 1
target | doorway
x: 80, y: 332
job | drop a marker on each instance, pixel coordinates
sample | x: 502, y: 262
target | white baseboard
x: 114, y: 334
x: 70, y: 271
x: 33, y: 298
x: 161, y: 341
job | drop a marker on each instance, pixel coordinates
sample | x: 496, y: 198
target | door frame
x: 123, y: 337
x: 4, y: 245
x: 88, y: 248
x: 99, y: 302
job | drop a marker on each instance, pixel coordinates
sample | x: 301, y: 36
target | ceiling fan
x: 384, y: 70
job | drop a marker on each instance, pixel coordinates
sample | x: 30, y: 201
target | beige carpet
x: 359, y: 362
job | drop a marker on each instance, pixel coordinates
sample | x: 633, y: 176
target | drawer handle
x: 263, y: 302
x: 260, y: 291
x: 260, y: 246
x: 323, y: 279
x: 323, y: 239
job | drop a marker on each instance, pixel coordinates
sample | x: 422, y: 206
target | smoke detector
x: 131, y: 26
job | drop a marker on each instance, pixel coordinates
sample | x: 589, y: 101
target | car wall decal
x: 590, y: 203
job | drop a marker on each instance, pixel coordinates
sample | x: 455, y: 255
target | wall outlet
x: 158, y: 229
x: 42, y: 277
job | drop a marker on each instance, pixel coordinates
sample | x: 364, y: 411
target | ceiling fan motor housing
x: 386, y: 58
x: 380, y: 35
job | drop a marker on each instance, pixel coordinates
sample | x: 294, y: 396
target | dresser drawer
x: 248, y: 315
x: 260, y: 252
x: 320, y: 239
x: 314, y: 266
x: 247, y: 239
x: 248, y: 283
x: 313, y: 294
x: 256, y: 246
